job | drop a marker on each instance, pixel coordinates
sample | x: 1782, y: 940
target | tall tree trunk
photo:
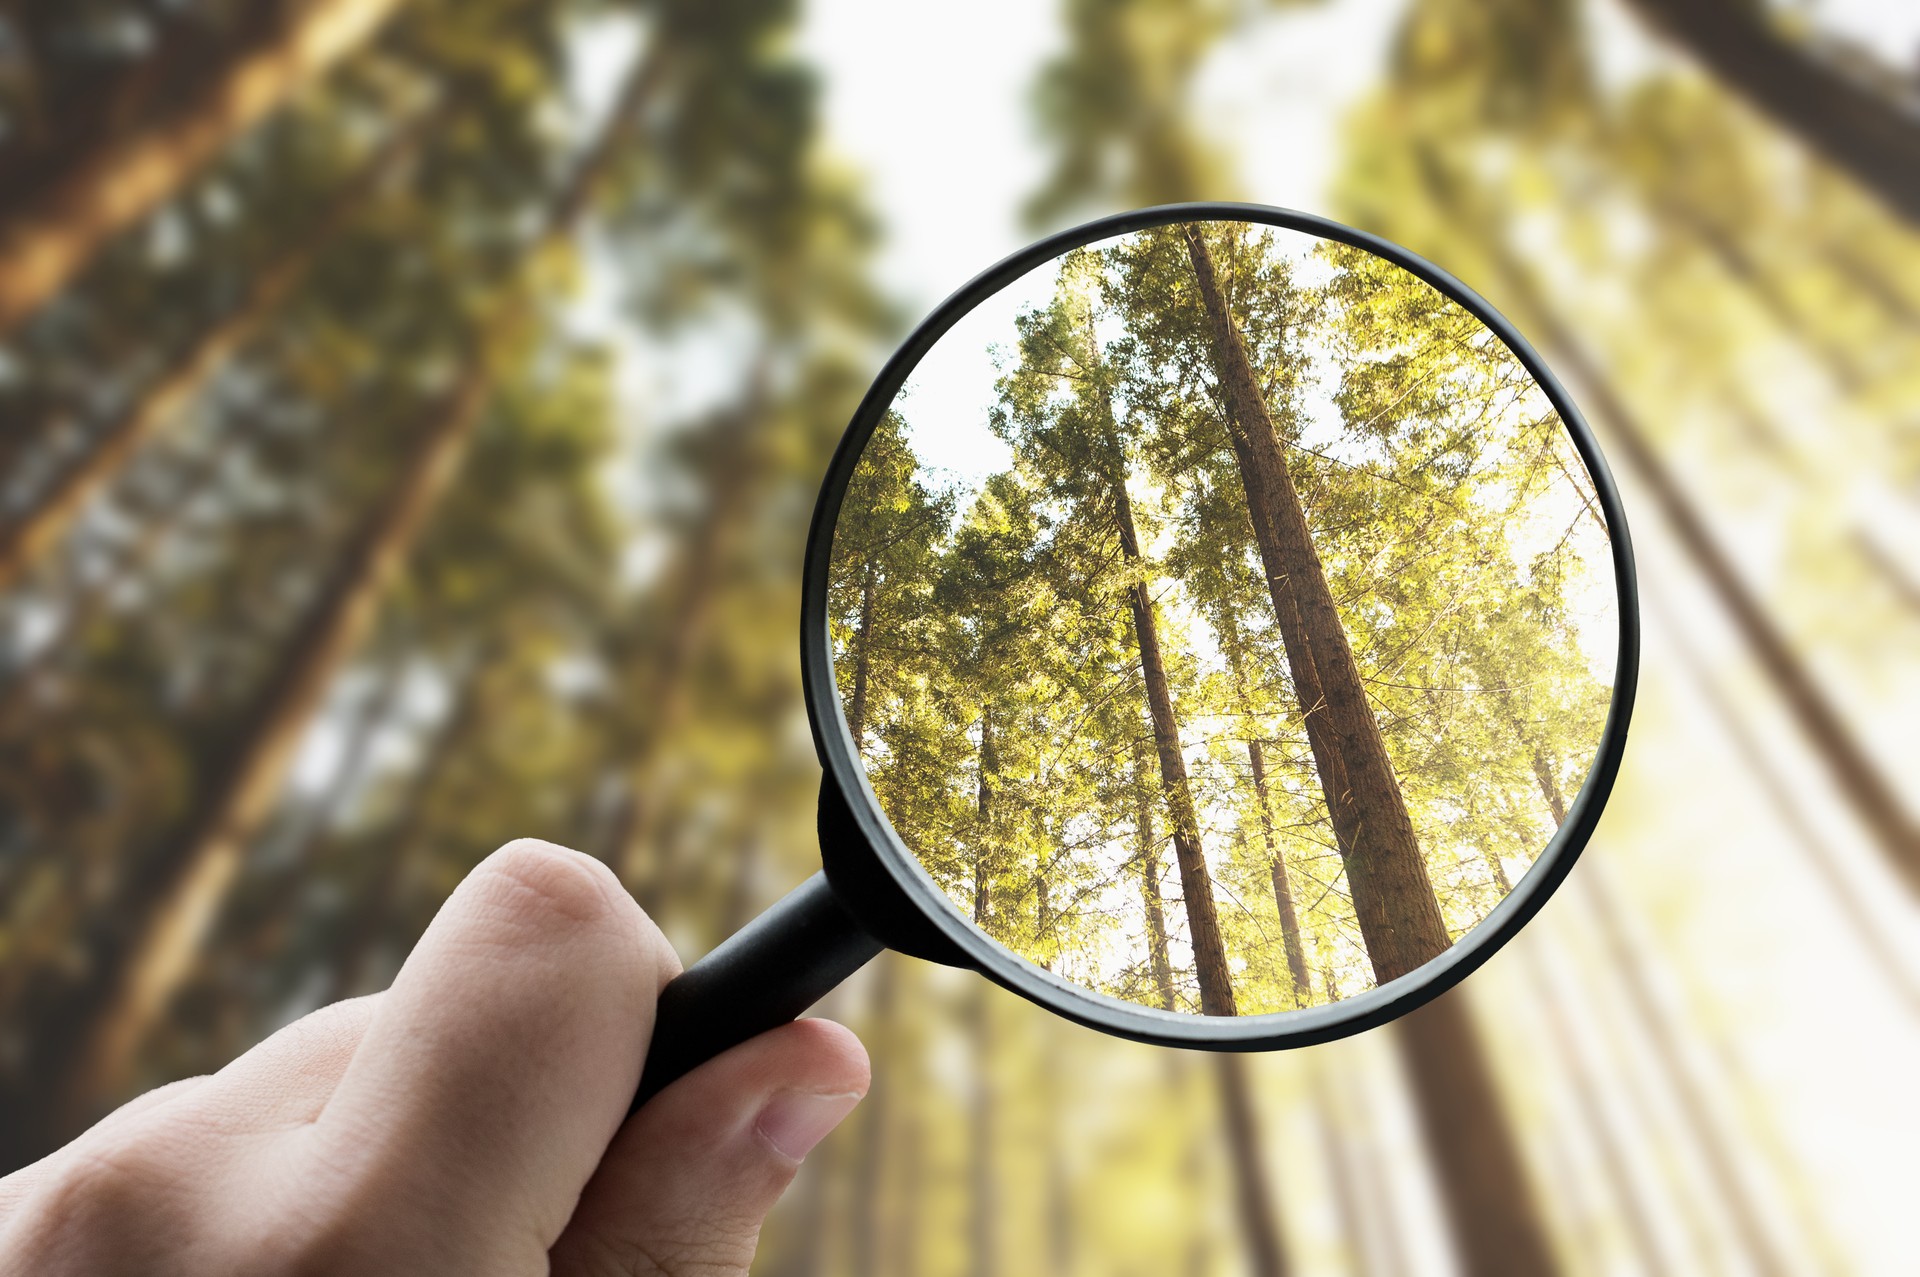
x: 1393, y: 897
x: 1602, y: 1128
x: 1343, y: 1176
x: 1147, y: 849
x: 857, y: 703
x: 171, y: 906
x: 24, y: 541
x: 983, y: 1181
x: 1842, y: 121
x: 1483, y: 1183
x: 989, y: 779
x: 1849, y: 765
x: 48, y: 235
x: 734, y: 467
x: 1739, y: 265
x: 1230, y: 640
x: 1749, y: 1216
x: 1196, y: 883
x: 1253, y: 1196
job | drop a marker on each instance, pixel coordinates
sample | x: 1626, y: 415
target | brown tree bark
x: 1851, y: 768
x: 47, y: 236
x: 1253, y: 1195
x: 857, y: 703
x: 1497, y: 1225
x: 24, y: 541
x: 989, y: 777
x: 1393, y: 897
x: 1842, y: 121
x: 1148, y: 851
x: 1196, y: 883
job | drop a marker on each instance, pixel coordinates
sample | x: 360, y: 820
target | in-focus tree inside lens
x: 1224, y: 618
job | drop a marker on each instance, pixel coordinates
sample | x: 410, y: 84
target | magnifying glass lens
x: 1224, y: 618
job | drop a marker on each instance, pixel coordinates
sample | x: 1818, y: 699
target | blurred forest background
x: 410, y: 413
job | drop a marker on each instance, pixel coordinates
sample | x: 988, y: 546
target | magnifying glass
x: 1219, y: 628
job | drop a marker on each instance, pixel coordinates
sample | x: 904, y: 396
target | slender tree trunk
x: 1842, y: 121
x: 48, y: 235
x: 1196, y: 883
x: 1343, y: 1176
x: 1393, y: 897
x: 1253, y: 1196
x: 857, y: 703
x: 1739, y: 265
x: 1749, y: 1216
x: 983, y: 1182
x: 1601, y: 1126
x: 1276, y: 855
x: 25, y: 541
x: 1849, y: 765
x: 179, y: 900
x: 1148, y: 851
x: 989, y: 778
x: 1483, y: 1183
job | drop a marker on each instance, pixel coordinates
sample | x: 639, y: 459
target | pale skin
x: 472, y: 1119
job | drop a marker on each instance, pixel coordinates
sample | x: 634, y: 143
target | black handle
x: 760, y: 977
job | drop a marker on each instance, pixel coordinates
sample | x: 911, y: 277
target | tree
x: 49, y: 234
x: 1840, y: 119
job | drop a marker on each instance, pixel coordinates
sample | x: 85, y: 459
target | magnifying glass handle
x: 759, y: 978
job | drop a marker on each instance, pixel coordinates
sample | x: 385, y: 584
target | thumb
x: 689, y: 1179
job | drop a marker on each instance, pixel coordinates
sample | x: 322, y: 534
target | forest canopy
x: 1225, y: 618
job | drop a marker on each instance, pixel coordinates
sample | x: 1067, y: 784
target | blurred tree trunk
x: 1483, y: 1183
x: 1196, y: 885
x: 169, y: 908
x: 732, y: 470
x: 1253, y: 1196
x: 1750, y: 1217
x: 1148, y: 851
x: 1601, y: 1127
x: 1844, y: 122
x: 25, y: 541
x: 983, y: 1181
x: 49, y: 234
x: 1399, y: 916
x: 1342, y: 1175
x: 1849, y: 764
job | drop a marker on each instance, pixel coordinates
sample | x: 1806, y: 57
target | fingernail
x: 794, y: 1121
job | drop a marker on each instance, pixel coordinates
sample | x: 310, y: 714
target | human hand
x: 471, y: 1119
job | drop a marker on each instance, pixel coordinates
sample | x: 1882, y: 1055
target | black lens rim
x: 834, y: 741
